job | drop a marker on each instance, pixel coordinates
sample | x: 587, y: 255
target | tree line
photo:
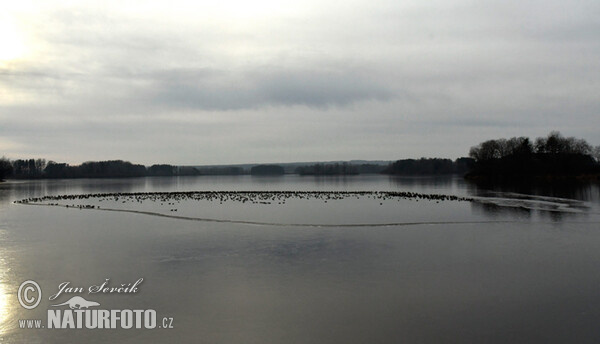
x: 429, y: 166
x: 550, y: 156
x: 39, y: 168
x: 554, y: 143
x: 328, y: 169
x: 338, y: 169
x: 553, y: 155
x: 267, y: 170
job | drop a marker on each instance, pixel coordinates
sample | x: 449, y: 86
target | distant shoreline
x: 504, y: 160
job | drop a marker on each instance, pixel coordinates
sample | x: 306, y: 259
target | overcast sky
x: 236, y: 81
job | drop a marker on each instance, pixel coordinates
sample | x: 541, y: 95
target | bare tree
x: 5, y: 168
x: 596, y: 153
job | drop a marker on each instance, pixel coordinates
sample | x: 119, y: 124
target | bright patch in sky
x: 12, y: 45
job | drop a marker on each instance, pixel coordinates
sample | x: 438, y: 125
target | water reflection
x: 5, y: 318
x: 579, y: 190
x: 437, y: 184
x: 444, y: 181
x: 555, y: 201
x: 8, y: 303
x: 496, y: 211
x: 162, y: 182
x: 340, y: 182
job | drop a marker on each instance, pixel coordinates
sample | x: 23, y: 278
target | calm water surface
x: 492, y: 271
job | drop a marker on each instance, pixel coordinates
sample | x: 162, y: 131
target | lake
x: 283, y: 260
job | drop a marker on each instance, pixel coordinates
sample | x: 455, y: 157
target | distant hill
x: 267, y: 170
x: 288, y: 167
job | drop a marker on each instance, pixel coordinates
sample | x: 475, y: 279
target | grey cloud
x: 224, y: 90
x: 387, y: 81
x: 206, y: 88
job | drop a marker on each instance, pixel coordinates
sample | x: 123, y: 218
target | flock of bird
x: 253, y: 197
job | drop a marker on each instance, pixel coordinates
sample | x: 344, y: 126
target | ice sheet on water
x: 533, y: 202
